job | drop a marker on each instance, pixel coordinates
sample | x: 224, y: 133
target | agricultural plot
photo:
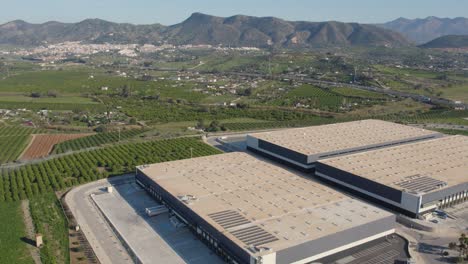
x: 35, y: 106
x: 11, y: 147
x: 31, y: 180
x: 350, y: 92
x: 434, y: 116
x: 281, y: 124
x: 157, y: 112
x: 6, y: 131
x: 95, y: 140
x: 12, y: 248
x: 41, y: 145
x: 13, y: 140
x: 67, y: 81
x: 50, y: 221
x: 327, y: 99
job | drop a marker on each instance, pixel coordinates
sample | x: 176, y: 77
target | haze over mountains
x: 205, y: 29
x: 237, y: 31
x: 426, y: 29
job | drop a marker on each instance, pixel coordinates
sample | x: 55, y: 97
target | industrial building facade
x: 414, y: 179
x: 251, y: 211
x: 302, y: 147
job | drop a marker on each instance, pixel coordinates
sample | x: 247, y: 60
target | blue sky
x: 174, y: 11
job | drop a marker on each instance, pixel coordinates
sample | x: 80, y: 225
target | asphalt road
x: 102, y: 239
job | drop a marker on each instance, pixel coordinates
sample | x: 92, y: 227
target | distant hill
x: 265, y: 31
x: 451, y: 41
x: 91, y: 30
x: 424, y: 30
x: 205, y: 29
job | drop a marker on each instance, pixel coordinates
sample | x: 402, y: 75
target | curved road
x: 102, y: 239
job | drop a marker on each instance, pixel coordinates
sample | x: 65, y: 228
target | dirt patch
x: 41, y: 145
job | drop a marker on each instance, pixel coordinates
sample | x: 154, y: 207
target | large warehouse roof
x: 419, y: 168
x: 255, y: 203
x: 336, y: 137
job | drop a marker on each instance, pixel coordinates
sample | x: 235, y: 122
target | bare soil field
x: 41, y: 145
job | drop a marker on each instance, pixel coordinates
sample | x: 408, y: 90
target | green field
x: 350, y: 92
x: 453, y: 132
x: 13, y: 140
x: 66, y: 81
x: 442, y: 116
x: 70, y: 84
x: 237, y: 126
x: 446, y: 84
x: 11, y: 147
x: 12, y: 230
x: 333, y: 99
x: 95, y: 140
x: 49, y: 220
x: 46, y: 100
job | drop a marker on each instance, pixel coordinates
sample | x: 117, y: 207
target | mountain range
x: 205, y: 29
x: 238, y: 31
x: 423, y: 30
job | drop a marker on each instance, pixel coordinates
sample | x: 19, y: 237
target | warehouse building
x: 414, y: 178
x: 250, y: 211
x: 302, y: 147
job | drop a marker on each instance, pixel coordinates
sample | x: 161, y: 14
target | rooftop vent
x: 229, y: 218
x: 254, y: 236
x: 418, y: 184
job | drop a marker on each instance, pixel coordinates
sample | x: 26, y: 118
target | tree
x: 35, y: 94
x: 461, y: 246
x: 214, y: 126
x: 200, y: 124
x: 101, y: 129
x: 132, y: 121
x: 126, y: 91
x: 52, y: 93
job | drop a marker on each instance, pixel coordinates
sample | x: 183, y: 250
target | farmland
x: 11, y: 147
x: 13, y: 140
x: 30, y: 180
x: 331, y: 99
x: 12, y: 248
x: 49, y: 220
x: 233, y: 126
x: 435, y: 116
x: 155, y: 111
x: 42, y: 145
x: 95, y: 140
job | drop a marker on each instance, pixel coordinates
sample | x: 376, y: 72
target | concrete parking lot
x: 129, y: 231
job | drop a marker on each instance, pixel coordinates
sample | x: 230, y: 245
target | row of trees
x: 95, y: 140
x: 30, y: 180
x: 160, y: 112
